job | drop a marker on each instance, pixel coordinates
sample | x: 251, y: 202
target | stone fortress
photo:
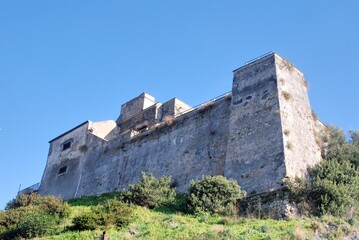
x: 260, y: 134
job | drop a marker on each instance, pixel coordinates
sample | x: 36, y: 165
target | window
x: 62, y: 170
x: 67, y: 144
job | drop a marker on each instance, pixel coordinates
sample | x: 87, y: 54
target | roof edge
x: 257, y: 59
x: 63, y: 134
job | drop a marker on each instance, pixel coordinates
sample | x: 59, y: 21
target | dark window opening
x: 62, y: 170
x: 66, y: 144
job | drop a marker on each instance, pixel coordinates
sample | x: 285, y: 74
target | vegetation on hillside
x: 166, y: 222
x: 29, y: 216
x: 150, y: 209
x: 152, y: 192
x: 332, y: 186
x: 214, y: 194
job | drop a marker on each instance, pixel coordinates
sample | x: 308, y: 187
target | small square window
x: 62, y: 170
x: 67, y: 144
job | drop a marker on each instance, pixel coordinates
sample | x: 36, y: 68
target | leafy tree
x: 354, y: 137
x: 333, y: 185
x: 152, y: 192
x: 2, y: 221
x: 213, y: 194
x: 333, y: 140
x: 336, y: 147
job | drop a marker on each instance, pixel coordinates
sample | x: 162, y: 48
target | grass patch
x: 93, y: 200
x: 172, y: 222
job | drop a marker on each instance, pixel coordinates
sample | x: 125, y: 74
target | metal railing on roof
x: 31, y: 189
x: 203, y: 104
x: 254, y: 60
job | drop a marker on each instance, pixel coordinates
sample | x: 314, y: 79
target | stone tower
x: 271, y: 127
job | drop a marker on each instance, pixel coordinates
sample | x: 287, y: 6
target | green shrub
x: 9, y: 221
x: 49, y: 204
x: 3, y: 219
x: 151, y: 192
x: 37, y: 225
x: 10, y: 234
x: 111, y: 213
x: 336, y: 147
x: 213, y: 194
x: 13, y: 216
x: 85, y: 221
x: 31, y: 215
x: 351, y: 221
x: 117, y: 213
x: 354, y: 137
x: 334, y: 183
x: 334, y: 187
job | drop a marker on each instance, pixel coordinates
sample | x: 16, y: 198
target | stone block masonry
x: 259, y: 135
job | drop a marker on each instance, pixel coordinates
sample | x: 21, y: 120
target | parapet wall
x: 191, y: 146
x: 244, y: 136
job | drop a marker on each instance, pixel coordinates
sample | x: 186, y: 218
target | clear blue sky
x: 64, y: 62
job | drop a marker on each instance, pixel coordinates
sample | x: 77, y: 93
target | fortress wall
x: 193, y: 145
x: 255, y: 156
x: 298, y: 124
x: 64, y: 184
x: 260, y: 136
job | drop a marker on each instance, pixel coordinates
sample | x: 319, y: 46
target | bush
x: 2, y: 221
x: 37, y: 225
x: 151, y: 192
x: 13, y: 216
x: 354, y: 137
x: 117, y: 213
x: 30, y: 215
x: 336, y: 147
x: 85, y: 221
x: 113, y: 212
x: 49, y: 204
x: 334, y: 187
x: 213, y: 194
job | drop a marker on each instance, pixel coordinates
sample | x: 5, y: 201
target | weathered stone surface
x: 255, y: 155
x: 260, y: 135
x: 275, y: 204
